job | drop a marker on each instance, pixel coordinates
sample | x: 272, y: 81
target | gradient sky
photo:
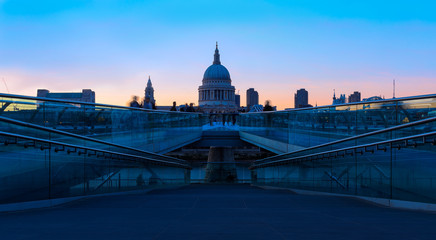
x: 275, y: 47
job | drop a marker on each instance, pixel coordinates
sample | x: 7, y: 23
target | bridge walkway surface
x: 218, y: 212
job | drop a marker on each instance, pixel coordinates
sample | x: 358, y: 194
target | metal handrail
x: 350, y: 104
x: 95, y: 150
x: 25, y: 124
x: 411, y: 124
x: 5, y: 95
x: 354, y: 148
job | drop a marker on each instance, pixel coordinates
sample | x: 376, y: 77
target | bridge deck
x: 218, y: 212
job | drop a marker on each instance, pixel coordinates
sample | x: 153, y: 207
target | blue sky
x: 276, y: 47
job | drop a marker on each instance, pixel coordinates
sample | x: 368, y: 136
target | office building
x: 301, y: 99
x: 238, y: 100
x: 355, y: 97
x: 252, y: 98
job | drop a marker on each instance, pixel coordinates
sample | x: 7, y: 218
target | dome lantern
x: 216, y: 56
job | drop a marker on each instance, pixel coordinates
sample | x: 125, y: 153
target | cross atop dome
x: 216, y: 59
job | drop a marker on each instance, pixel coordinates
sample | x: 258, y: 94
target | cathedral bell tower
x: 149, y: 91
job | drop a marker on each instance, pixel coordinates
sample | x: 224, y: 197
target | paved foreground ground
x: 218, y: 212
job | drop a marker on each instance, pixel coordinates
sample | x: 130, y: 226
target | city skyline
x: 273, y: 47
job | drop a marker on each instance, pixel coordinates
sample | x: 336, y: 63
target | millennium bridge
x: 75, y: 170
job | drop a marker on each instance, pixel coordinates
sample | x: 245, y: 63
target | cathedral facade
x: 216, y: 94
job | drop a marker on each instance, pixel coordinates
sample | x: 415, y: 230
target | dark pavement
x: 218, y: 212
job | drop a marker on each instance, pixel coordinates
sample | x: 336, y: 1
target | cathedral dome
x: 216, y: 72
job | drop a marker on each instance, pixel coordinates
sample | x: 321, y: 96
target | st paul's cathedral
x: 216, y: 94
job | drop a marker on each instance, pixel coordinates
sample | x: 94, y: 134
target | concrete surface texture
x: 218, y: 212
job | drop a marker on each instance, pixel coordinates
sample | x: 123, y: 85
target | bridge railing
x: 401, y: 168
x: 287, y: 131
x: 54, y: 149
x: 34, y: 168
x: 404, y: 130
x: 150, y: 130
x: 33, y: 130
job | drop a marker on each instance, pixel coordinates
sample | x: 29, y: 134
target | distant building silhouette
x: 301, y: 99
x: 238, y: 100
x: 340, y: 100
x: 149, y: 91
x: 87, y: 95
x: 252, y: 98
x: 355, y: 97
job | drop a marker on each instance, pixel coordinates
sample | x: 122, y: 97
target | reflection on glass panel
x: 40, y: 169
x: 402, y: 169
x: 294, y: 130
x: 131, y: 127
x: 54, y: 149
